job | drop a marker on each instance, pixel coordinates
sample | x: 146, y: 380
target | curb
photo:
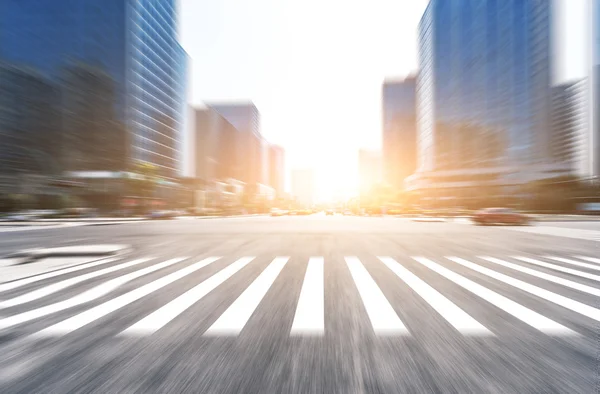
x: 30, y: 255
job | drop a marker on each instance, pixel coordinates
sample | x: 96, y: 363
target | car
x: 277, y: 212
x: 329, y: 212
x: 500, y: 216
x: 162, y: 215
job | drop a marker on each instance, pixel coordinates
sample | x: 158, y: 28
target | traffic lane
x: 348, y: 358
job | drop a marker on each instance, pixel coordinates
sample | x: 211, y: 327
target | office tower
x: 484, y: 94
x: 215, y: 147
x: 303, y: 186
x: 369, y: 169
x: 249, y: 151
x: 399, y: 140
x: 129, y: 45
x: 570, y: 138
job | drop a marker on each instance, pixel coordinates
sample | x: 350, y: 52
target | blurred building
x: 29, y: 122
x: 303, y: 186
x: 594, y: 79
x: 246, y: 120
x: 399, y: 138
x: 570, y: 140
x: 216, y: 142
x: 484, y: 95
x: 133, y: 47
x: 277, y: 169
x: 369, y: 170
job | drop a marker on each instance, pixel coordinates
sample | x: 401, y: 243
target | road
x: 310, y: 304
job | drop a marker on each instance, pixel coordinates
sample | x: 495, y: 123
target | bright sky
x: 314, y: 69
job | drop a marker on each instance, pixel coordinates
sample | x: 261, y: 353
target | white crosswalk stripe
x: 310, y: 312
x: 573, y: 262
x: 233, y: 320
x: 382, y: 315
x: 83, y: 298
x: 522, y: 313
x: 101, y: 310
x: 458, y: 318
x: 565, y: 302
x: 559, y: 268
x: 53, y: 288
x: 158, y: 319
x: 542, y: 275
x: 96, y: 300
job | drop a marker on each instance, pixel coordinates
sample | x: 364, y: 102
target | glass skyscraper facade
x: 134, y: 42
x: 484, y: 85
x: 156, y: 85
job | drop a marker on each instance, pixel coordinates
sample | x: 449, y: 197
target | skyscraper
x: 484, y: 91
x: 249, y: 151
x: 133, y: 43
x: 399, y: 140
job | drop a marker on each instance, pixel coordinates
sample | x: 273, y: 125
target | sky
x: 314, y: 68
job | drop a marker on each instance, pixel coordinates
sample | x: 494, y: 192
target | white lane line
x: 84, y: 318
x: 590, y: 259
x: 547, y: 295
x: 522, y: 313
x: 25, y: 281
x: 383, y: 318
x: 458, y: 318
x: 88, y: 296
x: 574, y: 262
x: 310, y: 312
x: 159, y: 318
x: 53, y: 288
x: 558, y: 268
x: 233, y: 320
x: 543, y: 275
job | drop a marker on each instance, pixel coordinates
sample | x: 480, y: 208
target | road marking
x: 522, y: 313
x: 592, y: 235
x: 310, y: 312
x: 88, y: 296
x: 84, y: 318
x: 159, y: 318
x: 542, y: 275
x: 590, y: 259
x: 53, y: 288
x: 233, y: 320
x: 547, y: 295
x: 573, y: 262
x: 383, y: 318
x: 32, y: 279
x: 458, y: 318
x: 558, y: 268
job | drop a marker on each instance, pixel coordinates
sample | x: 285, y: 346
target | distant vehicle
x: 329, y: 212
x: 500, y: 216
x: 347, y: 212
x: 162, y: 215
x: 277, y: 212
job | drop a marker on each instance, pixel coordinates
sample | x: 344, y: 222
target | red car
x: 500, y: 216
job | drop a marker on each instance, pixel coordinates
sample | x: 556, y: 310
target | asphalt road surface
x: 304, y: 305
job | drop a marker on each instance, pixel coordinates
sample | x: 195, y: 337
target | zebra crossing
x: 93, y: 292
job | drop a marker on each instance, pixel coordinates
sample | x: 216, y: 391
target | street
x: 311, y: 304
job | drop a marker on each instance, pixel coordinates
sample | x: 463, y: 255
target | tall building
x: 399, y: 138
x: 277, y: 169
x: 594, y: 79
x: 133, y: 43
x: 369, y: 170
x: 303, y: 186
x: 570, y: 138
x: 246, y: 120
x: 215, y: 142
x: 484, y: 94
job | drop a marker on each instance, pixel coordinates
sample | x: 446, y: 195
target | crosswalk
x: 513, y: 287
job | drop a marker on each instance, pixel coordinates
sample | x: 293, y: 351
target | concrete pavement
x: 305, y: 305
